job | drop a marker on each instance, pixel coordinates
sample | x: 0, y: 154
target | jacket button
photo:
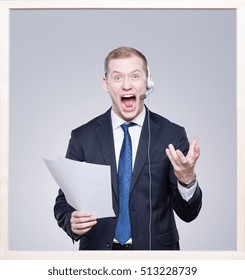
x: 108, y: 245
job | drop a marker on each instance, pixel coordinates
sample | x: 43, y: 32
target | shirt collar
x: 117, y: 121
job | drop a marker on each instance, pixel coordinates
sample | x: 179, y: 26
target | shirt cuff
x: 187, y: 193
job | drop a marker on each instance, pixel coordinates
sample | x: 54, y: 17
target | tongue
x: 128, y: 102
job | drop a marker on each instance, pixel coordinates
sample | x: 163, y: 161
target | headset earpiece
x: 150, y: 83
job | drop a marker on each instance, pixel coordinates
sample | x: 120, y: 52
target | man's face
x: 126, y: 82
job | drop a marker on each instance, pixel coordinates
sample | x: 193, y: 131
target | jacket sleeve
x: 62, y: 213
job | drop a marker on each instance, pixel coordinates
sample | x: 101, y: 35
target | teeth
x: 127, y: 96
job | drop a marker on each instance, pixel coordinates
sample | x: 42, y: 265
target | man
x: 162, y: 179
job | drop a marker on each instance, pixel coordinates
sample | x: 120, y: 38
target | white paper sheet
x: 87, y: 187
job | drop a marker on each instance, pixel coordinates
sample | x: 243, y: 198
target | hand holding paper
x: 82, y: 222
x: 87, y: 187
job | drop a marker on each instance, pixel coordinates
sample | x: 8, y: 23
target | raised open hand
x: 184, y: 166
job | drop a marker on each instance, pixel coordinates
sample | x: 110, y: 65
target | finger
x: 81, y: 232
x: 177, y: 156
x: 81, y: 223
x: 78, y: 214
x: 197, y: 150
x: 194, y: 149
x: 82, y: 227
x: 173, y: 151
x: 169, y: 154
x: 83, y: 219
x: 182, y: 157
x: 193, y: 143
x: 79, y: 217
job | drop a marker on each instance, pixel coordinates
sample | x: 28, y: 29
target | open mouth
x: 128, y: 100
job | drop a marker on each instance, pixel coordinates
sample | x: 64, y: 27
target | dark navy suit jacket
x: 93, y: 143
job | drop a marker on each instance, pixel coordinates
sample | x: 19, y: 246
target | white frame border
x: 5, y: 7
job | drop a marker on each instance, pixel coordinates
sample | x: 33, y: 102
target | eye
x: 117, y: 78
x: 135, y: 77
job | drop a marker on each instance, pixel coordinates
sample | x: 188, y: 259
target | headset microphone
x: 148, y: 92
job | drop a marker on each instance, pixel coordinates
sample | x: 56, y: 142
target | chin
x: 128, y: 116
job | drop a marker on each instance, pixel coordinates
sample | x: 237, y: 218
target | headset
x: 149, y: 86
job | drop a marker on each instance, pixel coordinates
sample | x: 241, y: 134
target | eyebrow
x: 134, y: 71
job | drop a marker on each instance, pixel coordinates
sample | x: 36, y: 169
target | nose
x: 127, y: 85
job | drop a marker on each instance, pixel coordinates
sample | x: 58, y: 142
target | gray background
x: 56, y: 70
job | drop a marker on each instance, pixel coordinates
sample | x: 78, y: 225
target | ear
x: 105, y: 84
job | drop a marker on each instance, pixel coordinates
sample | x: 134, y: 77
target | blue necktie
x: 123, y: 229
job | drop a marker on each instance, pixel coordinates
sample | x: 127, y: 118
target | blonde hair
x: 124, y: 52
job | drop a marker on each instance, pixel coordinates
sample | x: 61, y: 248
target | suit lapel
x: 105, y: 138
x: 142, y: 152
